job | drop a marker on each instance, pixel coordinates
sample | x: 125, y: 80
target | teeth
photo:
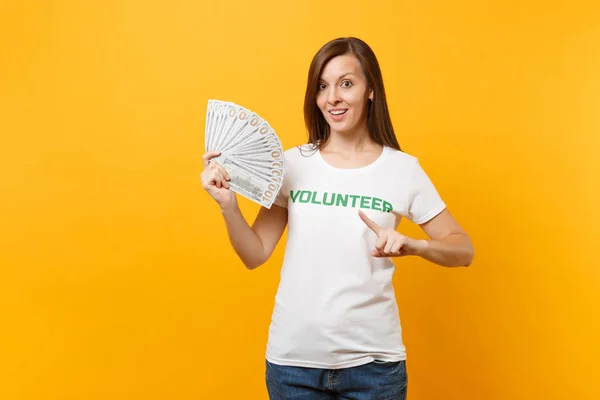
x: 337, y: 112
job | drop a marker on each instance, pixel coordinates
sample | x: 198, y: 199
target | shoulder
x: 407, y: 167
x: 400, y: 160
x: 298, y: 153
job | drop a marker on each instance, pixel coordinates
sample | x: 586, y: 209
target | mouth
x: 338, y: 112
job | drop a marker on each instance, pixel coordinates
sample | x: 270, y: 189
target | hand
x: 391, y: 243
x: 214, y: 180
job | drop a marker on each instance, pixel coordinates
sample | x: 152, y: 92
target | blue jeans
x: 377, y: 380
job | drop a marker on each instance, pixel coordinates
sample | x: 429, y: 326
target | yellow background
x: 117, y: 280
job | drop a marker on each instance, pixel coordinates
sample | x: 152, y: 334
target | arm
x: 448, y: 244
x: 254, y: 245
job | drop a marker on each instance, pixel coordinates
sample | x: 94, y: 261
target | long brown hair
x: 379, y: 122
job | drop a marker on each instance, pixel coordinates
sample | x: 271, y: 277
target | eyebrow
x: 342, y: 76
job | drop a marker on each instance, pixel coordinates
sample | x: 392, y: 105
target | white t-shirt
x: 335, y: 306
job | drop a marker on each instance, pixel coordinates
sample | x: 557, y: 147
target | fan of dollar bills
x: 250, y: 150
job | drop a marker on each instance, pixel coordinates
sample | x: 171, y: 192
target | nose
x: 333, y: 96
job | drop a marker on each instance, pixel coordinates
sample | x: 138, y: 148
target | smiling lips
x: 338, y: 113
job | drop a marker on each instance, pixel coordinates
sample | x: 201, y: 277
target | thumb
x: 369, y: 222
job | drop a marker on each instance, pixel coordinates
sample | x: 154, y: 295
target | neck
x: 346, y: 142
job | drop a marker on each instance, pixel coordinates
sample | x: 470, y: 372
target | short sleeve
x: 424, y: 200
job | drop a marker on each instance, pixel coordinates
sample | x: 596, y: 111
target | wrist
x: 228, y: 209
x: 421, y: 247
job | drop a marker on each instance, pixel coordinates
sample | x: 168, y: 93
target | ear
x: 371, y: 95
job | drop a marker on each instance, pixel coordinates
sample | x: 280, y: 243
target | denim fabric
x: 373, y: 381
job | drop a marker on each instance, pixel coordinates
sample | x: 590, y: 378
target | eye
x: 321, y: 86
x: 346, y: 84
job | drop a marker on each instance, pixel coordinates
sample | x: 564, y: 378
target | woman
x: 335, y: 330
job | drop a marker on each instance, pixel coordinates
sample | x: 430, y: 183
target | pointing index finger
x: 369, y: 222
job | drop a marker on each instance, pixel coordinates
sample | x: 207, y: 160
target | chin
x: 341, y: 128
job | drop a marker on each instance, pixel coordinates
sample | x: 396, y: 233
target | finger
x: 212, y: 178
x: 223, y: 171
x: 224, y: 183
x: 396, y: 247
x: 206, y: 179
x: 370, y: 223
x: 381, y: 241
x: 218, y: 167
x: 388, y: 245
x: 220, y: 180
x: 378, y: 254
x: 208, y: 156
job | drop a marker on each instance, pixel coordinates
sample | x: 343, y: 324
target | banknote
x: 251, y: 151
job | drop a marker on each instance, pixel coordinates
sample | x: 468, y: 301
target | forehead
x: 341, y: 65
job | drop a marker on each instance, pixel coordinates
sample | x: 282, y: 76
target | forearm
x: 245, y: 241
x: 455, y: 250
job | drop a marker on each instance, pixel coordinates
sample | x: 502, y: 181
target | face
x: 343, y: 94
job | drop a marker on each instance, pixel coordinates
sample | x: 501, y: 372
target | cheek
x: 355, y: 99
x: 321, y: 101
